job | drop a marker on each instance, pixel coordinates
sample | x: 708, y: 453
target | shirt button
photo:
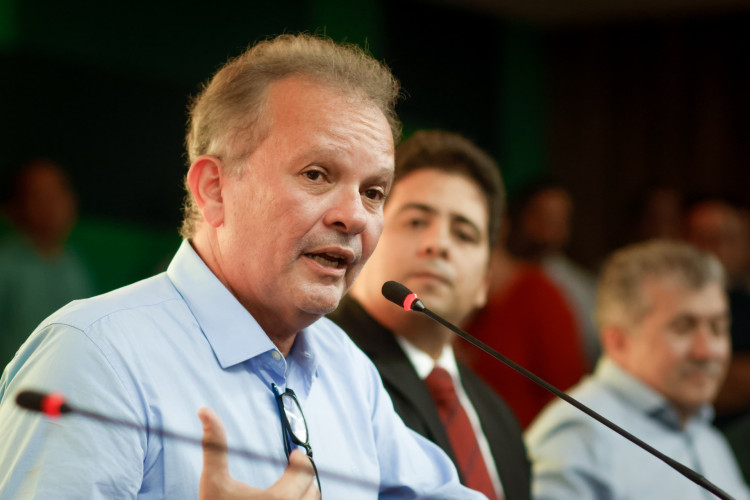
x: 276, y: 355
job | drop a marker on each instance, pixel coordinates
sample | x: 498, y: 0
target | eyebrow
x: 383, y: 174
x: 431, y: 210
x: 725, y: 315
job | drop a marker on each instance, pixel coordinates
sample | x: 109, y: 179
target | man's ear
x: 615, y: 341
x: 205, y: 179
x: 481, y: 297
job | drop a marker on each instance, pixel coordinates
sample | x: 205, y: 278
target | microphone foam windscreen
x: 30, y: 400
x: 395, y: 292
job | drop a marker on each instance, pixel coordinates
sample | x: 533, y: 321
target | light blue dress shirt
x: 156, y: 351
x: 576, y: 457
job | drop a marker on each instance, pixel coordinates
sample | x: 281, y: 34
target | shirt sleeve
x: 72, y: 456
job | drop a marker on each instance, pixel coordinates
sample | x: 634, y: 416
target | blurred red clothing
x: 530, y: 322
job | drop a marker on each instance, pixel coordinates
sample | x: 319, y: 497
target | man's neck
x: 685, y: 414
x: 281, y: 330
x: 284, y: 344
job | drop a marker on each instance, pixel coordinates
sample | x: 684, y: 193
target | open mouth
x: 328, y: 260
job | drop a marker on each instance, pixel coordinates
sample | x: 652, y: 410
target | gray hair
x: 233, y: 102
x: 620, y: 299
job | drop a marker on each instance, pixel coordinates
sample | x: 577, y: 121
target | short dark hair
x: 454, y: 153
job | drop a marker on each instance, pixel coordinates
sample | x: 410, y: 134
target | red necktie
x: 460, y: 432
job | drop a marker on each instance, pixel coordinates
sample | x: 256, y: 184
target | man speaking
x: 291, y: 157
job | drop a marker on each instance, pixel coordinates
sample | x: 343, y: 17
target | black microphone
x: 51, y: 405
x: 54, y: 404
x: 403, y: 297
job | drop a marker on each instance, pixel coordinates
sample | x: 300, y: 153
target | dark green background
x: 103, y: 87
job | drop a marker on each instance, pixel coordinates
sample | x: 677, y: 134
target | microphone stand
x: 402, y: 296
x: 54, y: 405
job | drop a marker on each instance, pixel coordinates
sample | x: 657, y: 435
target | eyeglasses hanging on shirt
x: 294, y: 426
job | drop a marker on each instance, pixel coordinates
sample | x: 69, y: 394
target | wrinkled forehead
x: 321, y: 91
x: 298, y: 102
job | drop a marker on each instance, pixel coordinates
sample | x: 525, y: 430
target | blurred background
x: 612, y: 99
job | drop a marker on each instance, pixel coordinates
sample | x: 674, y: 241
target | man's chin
x: 433, y: 286
x: 434, y: 295
x: 445, y: 306
x: 322, y: 299
x: 698, y: 398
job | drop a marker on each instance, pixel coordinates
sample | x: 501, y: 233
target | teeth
x: 326, y: 260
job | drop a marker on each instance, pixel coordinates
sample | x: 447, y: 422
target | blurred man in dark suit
x: 441, y: 220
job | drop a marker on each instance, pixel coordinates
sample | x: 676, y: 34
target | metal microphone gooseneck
x: 403, y: 297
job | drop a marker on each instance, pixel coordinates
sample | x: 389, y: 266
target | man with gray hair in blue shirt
x: 291, y: 157
x: 664, y: 323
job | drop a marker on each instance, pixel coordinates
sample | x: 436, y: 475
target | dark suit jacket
x: 414, y: 404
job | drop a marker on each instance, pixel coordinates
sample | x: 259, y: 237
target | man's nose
x: 706, y: 343
x: 436, y: 241
x: 347, y: 213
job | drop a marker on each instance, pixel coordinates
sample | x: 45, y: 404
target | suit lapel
x: 395, y: 369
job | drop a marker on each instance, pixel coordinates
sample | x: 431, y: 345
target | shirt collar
x: 643, y: 397
x: 302, y: 354
x: 232, y: 332
x: 423, y: 362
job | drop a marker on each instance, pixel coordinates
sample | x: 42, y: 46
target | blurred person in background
x: 664, y: 320
x: 722, y: 228
x: 540, y: 229
x: 444, y: 209
x: 656, y: 213
x: 38, y: 272
x: 527, y: 319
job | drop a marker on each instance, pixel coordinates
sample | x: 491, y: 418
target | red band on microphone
x: 52, y: 403
x: 409, y: 300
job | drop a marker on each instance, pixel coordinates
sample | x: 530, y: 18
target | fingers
x: 298, y: 480
x: 215, y: 461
